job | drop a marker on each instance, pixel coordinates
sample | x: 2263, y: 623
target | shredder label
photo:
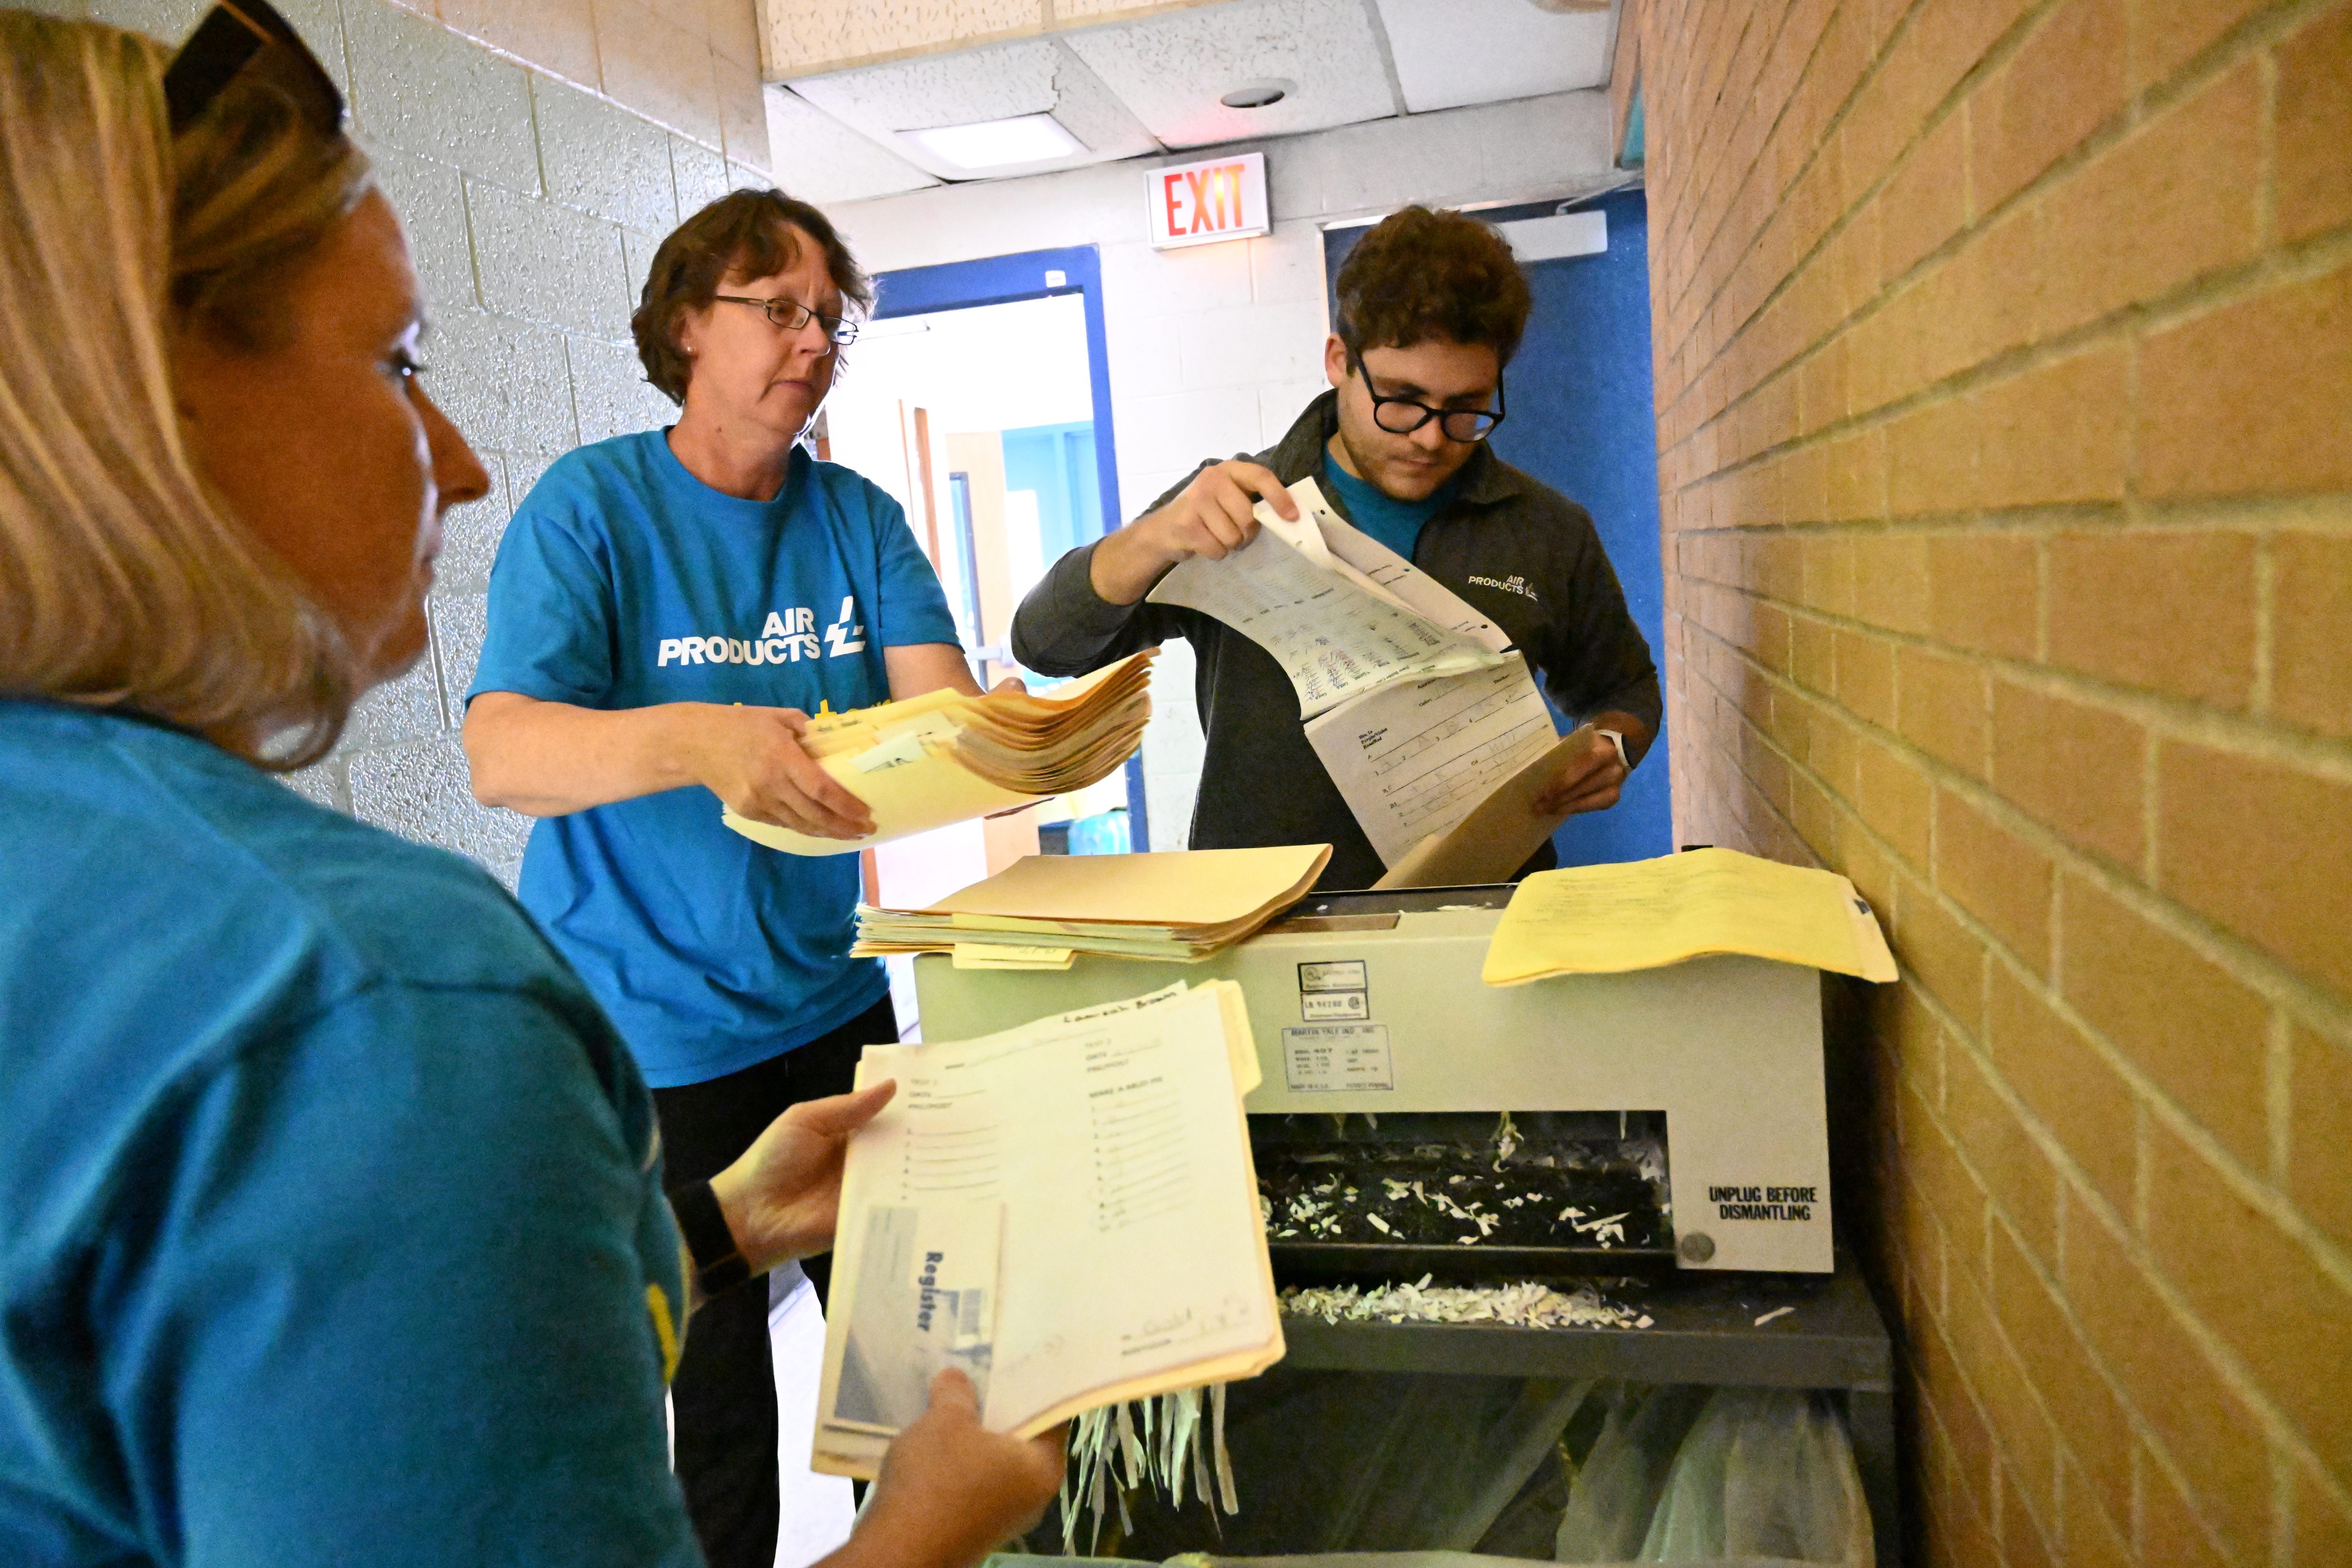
x: 1764, y: 1203
x: 1344, y: 975
x: 1323, y: 1007
x: 1326, y: 1057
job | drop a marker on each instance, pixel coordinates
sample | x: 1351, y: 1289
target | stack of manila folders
x: 1067, y: 1212
x: 947, y: 757
x: 1045, y: 909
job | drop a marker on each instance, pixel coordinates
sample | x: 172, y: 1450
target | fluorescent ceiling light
x: 1000, y: 144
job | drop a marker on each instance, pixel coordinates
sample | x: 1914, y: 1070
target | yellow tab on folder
x: 1606, y: 920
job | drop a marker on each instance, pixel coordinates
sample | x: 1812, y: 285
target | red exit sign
x: 1199, y: 204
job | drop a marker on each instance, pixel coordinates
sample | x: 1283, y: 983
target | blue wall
x: 1585, y: 370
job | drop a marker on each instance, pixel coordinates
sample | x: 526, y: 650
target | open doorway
x: 980, y: 422
x: 977, y: 398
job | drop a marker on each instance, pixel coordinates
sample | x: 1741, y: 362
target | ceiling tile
x: 818, y: 159
x: 1171, y: 69
x: 1450, y: 53
x: 805, y: 36
x: 1077, y: 12
x: 1032, y: 77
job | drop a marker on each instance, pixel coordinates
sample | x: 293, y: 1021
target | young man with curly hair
x: 1432, y: 306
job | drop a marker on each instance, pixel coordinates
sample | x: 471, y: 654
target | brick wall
x: 532, y: 207
x: 2004, y: 378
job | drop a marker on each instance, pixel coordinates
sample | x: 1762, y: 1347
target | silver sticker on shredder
x: 1333, y: 975
x: 1327, y: 1058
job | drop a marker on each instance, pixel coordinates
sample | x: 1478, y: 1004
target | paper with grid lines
x: 1413, y: 702
x: 1340, y: 612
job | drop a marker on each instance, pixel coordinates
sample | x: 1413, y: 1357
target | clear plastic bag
x: 1764, y: 1473
x: 1353, y: 1461
x: 1616, y: 1489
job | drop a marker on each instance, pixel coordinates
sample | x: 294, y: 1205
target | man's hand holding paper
x: 1588, y: 780
x: 1342, y: 613
x: 1210, y: 518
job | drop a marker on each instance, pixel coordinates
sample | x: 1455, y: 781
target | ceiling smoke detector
x: 1256, y: 94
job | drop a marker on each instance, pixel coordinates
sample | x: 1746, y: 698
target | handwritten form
x: 1414, y: 701
x: 1414, y: 758
x: 1113, y: 1137
x: 1337, y: 627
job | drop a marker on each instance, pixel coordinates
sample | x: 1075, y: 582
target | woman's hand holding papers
x: 950, y: 1491
x: 1210, y: 517
x: 781, y: 1198
x: 752, y: 759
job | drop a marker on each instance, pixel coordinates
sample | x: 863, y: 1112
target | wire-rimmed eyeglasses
x: 792, y: 316
x: 1402, y: 415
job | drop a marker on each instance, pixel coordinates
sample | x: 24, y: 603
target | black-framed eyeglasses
x: 246, y: 39
x: 792, y: 316
x: 1402, y: 415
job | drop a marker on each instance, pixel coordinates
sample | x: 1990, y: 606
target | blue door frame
x: 1000, y: 279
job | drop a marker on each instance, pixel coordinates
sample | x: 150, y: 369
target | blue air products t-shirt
x: 335, y: 1229
x: 623, y: 582
x: 1395, y: 523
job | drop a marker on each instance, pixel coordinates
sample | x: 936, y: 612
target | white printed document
x: 1414, y: 701
x: 1412, y: 758
x: 1066, y: 1211
x: 1339, y: 610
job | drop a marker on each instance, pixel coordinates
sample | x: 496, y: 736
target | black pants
x: 725, y: 1391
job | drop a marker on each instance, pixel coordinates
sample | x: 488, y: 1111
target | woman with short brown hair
x: 666, y: 608
x: 335, y: 1225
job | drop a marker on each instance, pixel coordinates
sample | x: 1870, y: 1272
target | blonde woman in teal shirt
x: 336, y: 1229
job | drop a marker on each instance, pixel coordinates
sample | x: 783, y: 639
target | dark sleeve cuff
x: 1063, y: 625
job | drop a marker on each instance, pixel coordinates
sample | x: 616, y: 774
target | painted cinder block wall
x: 533, y: 204
x: 2004, y: 383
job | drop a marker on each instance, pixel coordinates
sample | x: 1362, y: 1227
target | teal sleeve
x: 914, y: 607
x: 551, y: 616
x: 386, y: 1300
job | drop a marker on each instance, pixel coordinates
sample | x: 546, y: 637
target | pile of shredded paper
x: 1525, y: 1305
